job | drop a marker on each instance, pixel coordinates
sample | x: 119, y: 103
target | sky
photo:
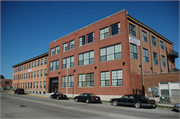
x: 27, y: 27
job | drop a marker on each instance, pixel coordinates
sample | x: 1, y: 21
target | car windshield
x: 91, y: 94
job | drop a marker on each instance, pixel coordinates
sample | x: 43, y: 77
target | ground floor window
x: 105, y: 78
x: 81, y: 79
x: 90, y: 79
x: 117, y: 78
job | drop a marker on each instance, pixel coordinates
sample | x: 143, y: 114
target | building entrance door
x: 53, y: 84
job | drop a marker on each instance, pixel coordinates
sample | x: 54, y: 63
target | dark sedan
x: 133, y: 100
x: 58, y: 96
x: 19, y: 91
x: 87, y: 97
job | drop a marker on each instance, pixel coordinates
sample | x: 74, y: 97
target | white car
x: 176, y: 106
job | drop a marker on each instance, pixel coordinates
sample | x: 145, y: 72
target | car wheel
x: 137, y: 105
x: 115, y: 103
x: 57, y: 98
x: 51, y: 97
x: 87, y: 101
x: 76, y: 99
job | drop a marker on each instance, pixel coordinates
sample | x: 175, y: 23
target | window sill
x: 104, y: 86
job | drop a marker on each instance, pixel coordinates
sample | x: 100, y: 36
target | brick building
x: 5, y: 83
x: 31, y: 75
x: 109, y: 57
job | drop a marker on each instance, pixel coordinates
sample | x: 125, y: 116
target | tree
x: 2, y: 77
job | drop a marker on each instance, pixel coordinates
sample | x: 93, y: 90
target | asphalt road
x: 24, y: 106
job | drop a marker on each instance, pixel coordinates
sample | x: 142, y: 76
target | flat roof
x: 30, y: 60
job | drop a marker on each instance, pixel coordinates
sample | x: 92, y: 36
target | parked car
x: 87, y: 97
x: 133, y: 100
x: 19, y: 91
x: 176, y: 106
x: 58, y: 96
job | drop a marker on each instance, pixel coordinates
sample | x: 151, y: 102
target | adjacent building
x: 109, y: 57
x: 31, y: 75
x: 5, y: 84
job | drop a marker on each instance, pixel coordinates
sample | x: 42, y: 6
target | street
x: 24, y: 106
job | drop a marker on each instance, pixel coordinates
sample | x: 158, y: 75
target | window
x: 145, y: 55
x: 40, y: 84
x: 6, y: 82
x: 44, y: 84
x: 31, y: 84
x: 41, y: 61
x: 52, y: 51
x: 90, y: 79
x: 57, y: 49
x: 44, y: 72
x: 144, y: 36
x: 82, y: 41
x: 26, y: 75
x: 132, y: 30
x: 45, y: 61
x: 32, y: 64
x: 155, y: 58
x: 37, y: 73
x: 29, y: 65
x: 64, y: 81
x: 81, y: 79
x: 162, y: 45
x: 34, y: 85
x: 104, y: 33
x: 115, y: 29
x: 28, y: 85
x: 68, y: 62
x: 24, y: 67
x: 154, y: 41
x: 105, y: 78
x: 38, y: 62
x: 65, y: 47
x: 37, y: 85
x: 70, y: 81
x: 163, y: 61
x: 54, y: 65
x: 90, y: 37
x: 34, y: 74
x: 71, y: 45
x: 117, y: 78
x: 35, y: 64
x: 110, y: 53
x: 133, y: 49
x: 86, y: 58
x: 31, y: 74
x: 41, y: 72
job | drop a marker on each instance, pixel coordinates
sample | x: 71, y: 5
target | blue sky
x: 27, y: 27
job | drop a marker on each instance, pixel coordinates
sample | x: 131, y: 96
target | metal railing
x: 173, y: 53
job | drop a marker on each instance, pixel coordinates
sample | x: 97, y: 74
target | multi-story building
x: 31, y: 75
x: 108, y: 57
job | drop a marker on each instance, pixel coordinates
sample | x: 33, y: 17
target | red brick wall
x: 6, y: 85
x: 29, y: 80
x: 153, y: 80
